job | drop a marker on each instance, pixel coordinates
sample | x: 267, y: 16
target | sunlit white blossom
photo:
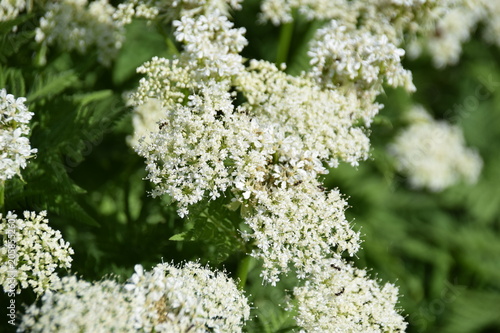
x: 36, y: 249
x: 188, y: 298
x: 80, y: 306
x: 299, y: 226
x: 15, y: 147
x: 325, y: 120
x: 342, y: 298
x: 340, y: 56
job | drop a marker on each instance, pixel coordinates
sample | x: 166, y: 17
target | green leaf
x: 51, y: 84
x: 180, y: 237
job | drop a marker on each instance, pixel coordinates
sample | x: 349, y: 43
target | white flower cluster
x: 10, y: 9
x: 80, y: 25
x: 187, y: 299
x: 299, y: 225
x: 80, y: 306
x: 36, y: 250
x: 262, y: 137
x: 169, y: 10
x: 261, y: 150
x: 455, y: 27
x: 280, y: 11
x: 433, y: 154
x: 167, y: 299
x: 357, y: 60
x: 130, y: 9
x: 311, y: 118
x: 337, y: 293
x: 339, y: 57
x: 15, y: 147
x: 391, y: 18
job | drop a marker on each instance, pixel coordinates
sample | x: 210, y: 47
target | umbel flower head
x: 166, y: 299
x: 80, y: 306
x: 79, y: 25
x: 169, y: 10
x: 342, y: 298
x: 191, y: 298
x: 262, y: 137
x: 15, y: 147
x: 36, y: 249
x: 266, y: 152
x: 433, y: 153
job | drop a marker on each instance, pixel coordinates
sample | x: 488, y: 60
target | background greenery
x: 441, y: 249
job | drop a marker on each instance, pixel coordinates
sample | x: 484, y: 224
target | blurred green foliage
x: 441, y: 249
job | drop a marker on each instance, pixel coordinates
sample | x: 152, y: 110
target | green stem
x: 171, y: 47
x: 243, y: 269
x: 284, y: 43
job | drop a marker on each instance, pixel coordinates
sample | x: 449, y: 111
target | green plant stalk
x: 284, y: 43
x: 171, y: 46
x: 243, y: 269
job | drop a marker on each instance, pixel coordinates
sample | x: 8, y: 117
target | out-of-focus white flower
x: 444, y: 37
x: 10, y: 9
x: 80, y: 306
x: 280, y: 11
x: 136, y: 8
x: 36, y: 250
x: 169, y: 10
x: 15, y: 147
x: 188, y: 298
x: 341, y: 298
x: 146, y: 119
x: 395, y: 19
x: 491, y: 21
x: 433, y: 155
x: 80, y: 25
